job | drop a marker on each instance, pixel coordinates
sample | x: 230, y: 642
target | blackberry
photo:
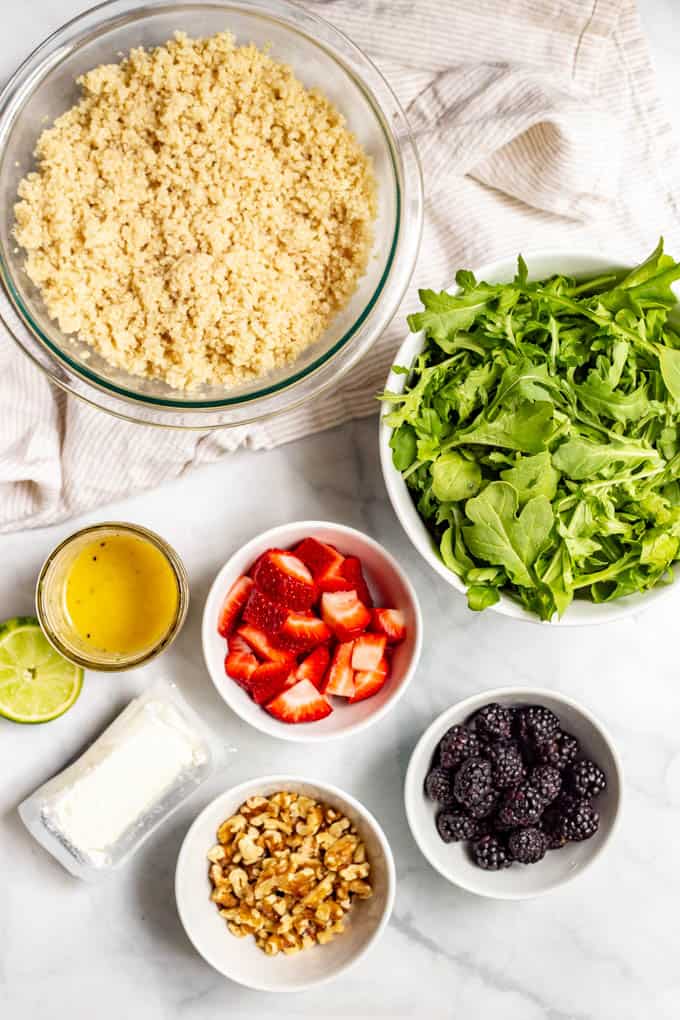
x: 439, y: 786
x: 454, y: 825
x: 485, y: 826
x: 497, y: 825
x: 490, y: 854
x: 554, y: 826
x: 473, y: 782
x: 506, y: 763
x: 527, y: 845
x: 457, y: 744
x: 586, y: 779
x: 493, y: 722
x: 521, y: 806
x: 583, y: 822
x: 536, y: 724
x: 559, y: 751
x: 547, y: 780
x: 566, y: 803
x: 484, y: 807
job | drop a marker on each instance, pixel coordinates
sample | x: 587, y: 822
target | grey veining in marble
x: 604, y: 948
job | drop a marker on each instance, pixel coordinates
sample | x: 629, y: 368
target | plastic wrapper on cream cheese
x: 96, y: 813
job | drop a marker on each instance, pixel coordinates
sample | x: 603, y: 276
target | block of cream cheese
x: 99, y: 810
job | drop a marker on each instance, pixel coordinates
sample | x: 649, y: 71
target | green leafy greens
x: 539, y: 434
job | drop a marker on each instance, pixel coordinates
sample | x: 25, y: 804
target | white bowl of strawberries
x: 311, y: 631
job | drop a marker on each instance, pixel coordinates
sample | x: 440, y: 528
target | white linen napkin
x: 538, y: 126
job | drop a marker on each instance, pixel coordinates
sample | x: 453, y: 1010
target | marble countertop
x: 604, y: 948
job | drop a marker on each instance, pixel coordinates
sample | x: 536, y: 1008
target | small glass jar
x: 51, y: 602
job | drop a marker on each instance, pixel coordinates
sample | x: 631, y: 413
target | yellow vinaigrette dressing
x: 121, y: 594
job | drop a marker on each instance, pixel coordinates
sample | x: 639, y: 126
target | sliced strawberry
x: 234, y: 601
x: 255, y: 565
x: 268, y: 680
x: 303, y: 631
x: 354, y: 575
x: 262, y: 645
x: 369, y: 682
x: 263, y: 613
x: 389, y: 622
x: 325, y: 563
x: 367, y: 652
x: 333, y: 582
x: 240, y: 663
x: 344, y: 613
x: 314, y: 666
x: 317, y: 556
x: 299, y: 703
x: 340, y: 677
x: 285, y: 578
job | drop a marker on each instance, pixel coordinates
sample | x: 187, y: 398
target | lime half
x: 36, y: 682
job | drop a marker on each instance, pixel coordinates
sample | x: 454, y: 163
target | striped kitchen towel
x: 538, y: 126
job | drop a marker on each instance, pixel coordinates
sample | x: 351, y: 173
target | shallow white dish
x: 240, y: 959
x: 390, y: 587
x: 558, y: 867
x: 541, y: 264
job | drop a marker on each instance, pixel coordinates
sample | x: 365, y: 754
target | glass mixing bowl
x: 321, y: 56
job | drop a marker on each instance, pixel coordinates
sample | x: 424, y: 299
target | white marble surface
x: 606, y: 947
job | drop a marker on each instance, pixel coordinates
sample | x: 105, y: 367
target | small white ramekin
x: 558, y: 867
x: 240, y: 959
x: 390, y: 587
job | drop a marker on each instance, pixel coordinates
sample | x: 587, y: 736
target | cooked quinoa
x: 199, y: 215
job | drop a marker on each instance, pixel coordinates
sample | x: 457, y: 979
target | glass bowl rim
x: 132, y: 662
x: 298, y: 20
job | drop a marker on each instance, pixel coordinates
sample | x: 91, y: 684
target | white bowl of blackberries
x: 513, y: 792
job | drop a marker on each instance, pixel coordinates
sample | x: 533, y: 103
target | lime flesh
x: 37, y: 684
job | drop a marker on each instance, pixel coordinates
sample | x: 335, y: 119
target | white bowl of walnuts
x: 283, y: 882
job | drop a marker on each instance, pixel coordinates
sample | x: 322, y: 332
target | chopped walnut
x: 340, y: 854
x: 286, y: 869
x: 217, y: 854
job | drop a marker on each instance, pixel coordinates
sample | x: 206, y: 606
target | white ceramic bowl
x: 240, y: 959
x: 558, y: 867
x: 541, y: 264
x: 390, y: 587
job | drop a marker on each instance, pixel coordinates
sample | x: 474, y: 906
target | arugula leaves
x: 497, y: 535
x: 539, y: 433
x: 533, y: 476
x: 454, y: 477
x: 525, y: 428
x: 582, y: 459
x: 446, y: 313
